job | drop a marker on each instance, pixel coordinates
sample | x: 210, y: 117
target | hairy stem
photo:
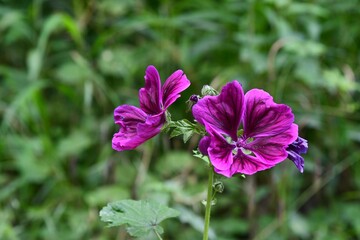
x: 158, y: 235
x: 208, y: 203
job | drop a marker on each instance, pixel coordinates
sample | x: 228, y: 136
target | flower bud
x: 194, y: 98
x: 218, y: 186
x: 192, y: 101
x: 208, y: 91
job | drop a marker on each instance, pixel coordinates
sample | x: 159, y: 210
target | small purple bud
x: 192, y: 101
x: 204, y: 145
x: 194, y: 98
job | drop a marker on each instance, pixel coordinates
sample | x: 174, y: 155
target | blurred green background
x: 65, y: 66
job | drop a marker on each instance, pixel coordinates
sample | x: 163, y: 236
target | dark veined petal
x: 135, y: 127
x: 204, y: 145
x: 150, y: 95
x: 297, y: 159
x: 227, y: 172
x: 220, y: 151
x: 247, y: 164
x: 299, y: 146
x: 127, y: 115
x: 263, y: 117
x: 272, y: 150
x: 223, y: 112
x: 173, y: 86
x: 244, y: 164
x: 152, y: 126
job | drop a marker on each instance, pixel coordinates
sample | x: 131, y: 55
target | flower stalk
x: 158, y: 235
x: 208, y: 203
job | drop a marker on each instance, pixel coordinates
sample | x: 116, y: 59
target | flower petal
x: 173, y: 86
x: 150, y: 96
x: 152, y: 126
x: 263, y: 117
x: 223, y: 112
x: 227, y: 172
x: 297, y: 159
x: 272, y: 150
x: 244, y: 164
x: 127, y: 115
x: 135, y: 127
x: 299, y: 146
x: 247, y: 164
x: 204, y: 145
x: 220, y: 151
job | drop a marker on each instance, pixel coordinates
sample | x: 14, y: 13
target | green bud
x: 218, y: 186
x: 208, y: 91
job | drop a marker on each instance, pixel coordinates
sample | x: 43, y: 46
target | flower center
x: 242, y: 144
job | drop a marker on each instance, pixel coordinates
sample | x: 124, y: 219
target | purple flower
x: 299, y: 146
x: 268, y: 129
x: 140, y: 124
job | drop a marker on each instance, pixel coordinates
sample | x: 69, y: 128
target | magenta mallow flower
x: 268, y: 130
x: 140, y: 124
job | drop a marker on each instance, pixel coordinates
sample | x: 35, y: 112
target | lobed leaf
x: 140, y: 217
x: 186, y: 128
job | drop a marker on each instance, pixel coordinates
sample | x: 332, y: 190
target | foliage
x: 65, y: 66
x: 142, y: 217
x: 186, y: 128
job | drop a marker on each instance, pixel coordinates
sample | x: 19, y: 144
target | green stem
x: 208, y: 203
x: 158, y: 235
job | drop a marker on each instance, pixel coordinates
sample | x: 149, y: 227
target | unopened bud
x: 194, y: 98
x: 192, y: 101
x: 218, y: 186
x: 208, y: 91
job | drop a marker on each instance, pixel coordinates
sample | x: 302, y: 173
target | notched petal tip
x: 173, y: 86
x: 263, y: 117
x: 226, y: 173
x: 272, y: 150
x: 244, y: 164
x: 150, y: 95
x: 151, y: 67
x: 151, y: 73
x: 249, y: 165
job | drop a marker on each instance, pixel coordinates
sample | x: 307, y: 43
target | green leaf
x: 197, y: 154
x: 185, y: 128
x: 141, y: 217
